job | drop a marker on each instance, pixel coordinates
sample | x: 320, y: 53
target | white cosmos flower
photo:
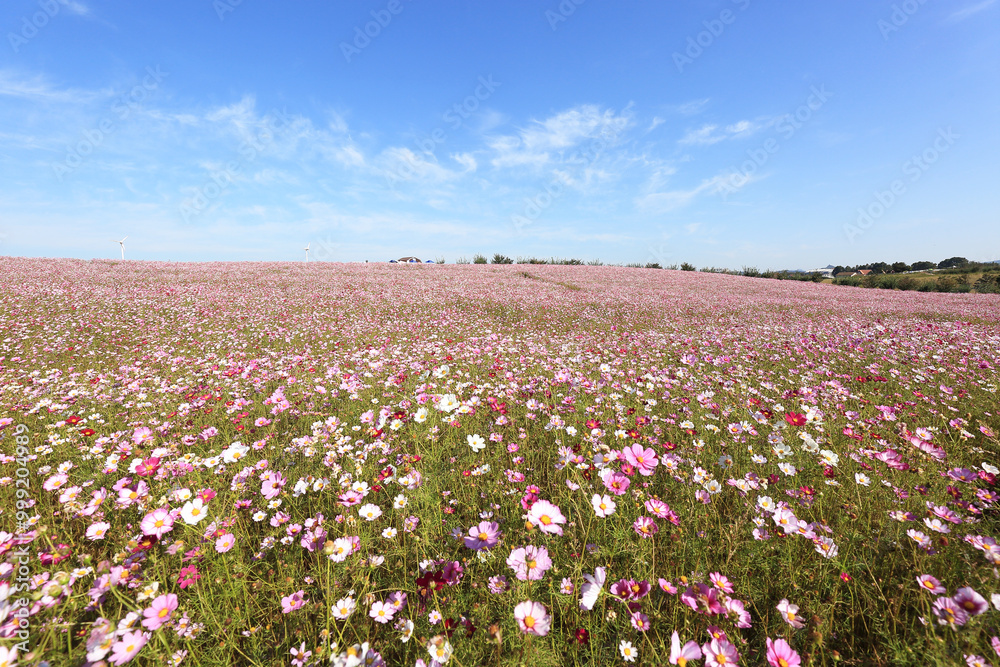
x: 476, y: 441
x: 193, y: 511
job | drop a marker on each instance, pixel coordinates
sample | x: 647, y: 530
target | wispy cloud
x: 966, y: 12
x: 709, y: 134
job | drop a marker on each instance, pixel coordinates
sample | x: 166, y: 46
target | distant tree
x: 880, y: 267
x: 501, y: 259
x: 900, y: 267
x: 479, y: 259
x: 687, y: 267
x: 952, y: 262
x: 653, y: 265
x: 923, y: 266
x: 838, y: 269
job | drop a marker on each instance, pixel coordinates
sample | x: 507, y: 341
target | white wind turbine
x: 307, y: 250
x: 122, y: 244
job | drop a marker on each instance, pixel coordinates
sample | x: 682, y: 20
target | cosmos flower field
x: 310, y: 464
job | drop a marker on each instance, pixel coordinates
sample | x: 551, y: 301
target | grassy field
x: 264, y: 464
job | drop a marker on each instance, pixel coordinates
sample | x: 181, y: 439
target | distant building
x: 409, y: 260
x: 846, y: 274
x: 826, y: 271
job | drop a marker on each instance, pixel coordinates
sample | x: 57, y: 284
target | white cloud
x: 970, y: 10
x: 467, y: 160
x: 661, y: 202
x: 704, y: 135
x: 693, y: 107
x: 542, y: 141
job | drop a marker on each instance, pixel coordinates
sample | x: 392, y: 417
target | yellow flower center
x: 546, y: 520
x: 529, y: 621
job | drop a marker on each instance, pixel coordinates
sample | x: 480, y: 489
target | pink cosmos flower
x: 970, y: 601
x: 382, y: 612
x: 645, y: 527
x: 532, y: 618
x: 667, y: 587
x: 159, y: 612
x: 271, y: 486
x: 780, y: 654
x: 738, y: 609
x: 128, y: 647
x: 721, y: 582
x: 930, y: 584
x: 949, y: 613
x: 529, y: 563
x: 682, y: 655
x: 703, y: 599
x: 225, y: 543
x: 640, y: 621
x: 97, y: 531
x: 157, y: 523
x: 547, y: 517
x: 643, y: 459
x: 142, y: 435
x: 720, y: 653
x: 484, y: 536
x: 292, y: 602
x: 616, y: 483
x: 789, y: 612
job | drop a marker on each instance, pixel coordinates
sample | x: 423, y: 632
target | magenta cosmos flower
x: 547, y: 517
x: 780, y: 654
x: 532, y: 618
x: 970, y: 601
x: 157, y: 523
x: 643, y: 459
x: 159, y: 612
x: 484, y: 536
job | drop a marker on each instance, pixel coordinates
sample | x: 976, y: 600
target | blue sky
x: 728, y: 133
